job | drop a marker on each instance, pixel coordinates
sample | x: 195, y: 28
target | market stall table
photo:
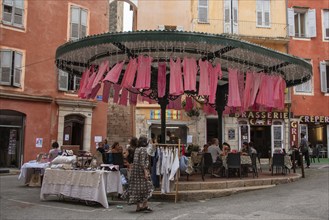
x: 29, y: 168
x: 81, y: 184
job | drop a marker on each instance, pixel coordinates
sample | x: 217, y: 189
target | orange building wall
x: 317, y: 50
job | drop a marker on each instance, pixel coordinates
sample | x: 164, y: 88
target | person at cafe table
x: 215, y: 152
x: 246, y: 150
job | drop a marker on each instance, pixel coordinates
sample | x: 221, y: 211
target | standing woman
x: 140, y: 186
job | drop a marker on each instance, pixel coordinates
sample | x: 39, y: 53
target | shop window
x: 277, y: 136
x: 68, y: 81
x: 325, y: 24
x: 263, y: 13
x: 13, y: 12
x: 78, y: 23
x: 324, y: 76
x: 10, y: 68
x: 303, y: 129
x: 203, y: 11
x: 244, y: 133
x: 302, y: 22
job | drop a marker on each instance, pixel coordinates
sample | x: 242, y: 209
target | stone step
x: 193, y: 195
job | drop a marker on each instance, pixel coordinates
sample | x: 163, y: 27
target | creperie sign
x: 314, y: 119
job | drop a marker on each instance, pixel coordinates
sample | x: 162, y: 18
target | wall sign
x: 231, y: 134
x: 294, y: 132
x: 314, y: 119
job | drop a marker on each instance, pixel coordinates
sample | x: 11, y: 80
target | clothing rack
x: 177, y: 173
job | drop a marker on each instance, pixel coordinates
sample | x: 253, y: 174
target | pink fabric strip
x: 190, y: 70
x: 143, y: 79
x: 129, y: 75
x: 176, y: 81
x: 124, y: 97
x: 178, y: 103
x: 133, y: 98
x: 94, y: 91
x: 189, y: 104
x: 83, y: 82
x: 204, y: 77
x: 106, y: 91
x: 233, y: 89
x: 241, y: 87
x: 209, y: 110
x: 100, y: 74
x: 161, y: 79
x: 89, y: 85
x: 114, y: 74
x: 256, y: 84
x: 117, y: 89
x: 247, y: 90
x: 214, y: 72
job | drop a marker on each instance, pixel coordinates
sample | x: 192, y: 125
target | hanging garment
x: 106, y: 91
x: 114, y: 74
x: 271, y: 80
x: 263, y: 91
x: 174, y: 166
x: 161, y: 79
x: 188, y: 104
x: 124, y: 97
x: 208, y: 110
x: 204, y: 77
x: 129, y: 75
x: 248, y: 90
x: 90, y: 84
x: 83, y: 82
x: 100, y: 74
x: 241, y: 87
x: 279, y: 90
x: 176, y: 81
x: 178, y: 103
x: 165, y: 186
x: 95, y: 90
x: 257, y: 77
x: 215, y: 73
x: 133, y: 96
x: 159, y: 162
x: 233, y: 89
x: 190, y: 70
x: 117, y: 89
x: 154, y: 176
x: 143, y: 79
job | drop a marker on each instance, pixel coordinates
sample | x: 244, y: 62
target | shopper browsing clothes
x: 140, y: 186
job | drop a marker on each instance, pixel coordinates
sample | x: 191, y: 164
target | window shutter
x: 323, y: 77
x: 291, y: 22
x: 17, y: 69
x: 76, y: 83
x: 6, y: 65
x: 267, y: 9
x: 259, y: 12
x: 18, y: 12
x: 84, y: 18
x: 161, y: 27
x: 326, y: 24
x: 311, y: 23
x: 203, y: 11
x: 63, y: 80
x: 75, y: 18
x: 235, y: 16
x: 227, y: 16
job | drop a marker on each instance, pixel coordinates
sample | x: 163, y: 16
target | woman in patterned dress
x: 140, y: 186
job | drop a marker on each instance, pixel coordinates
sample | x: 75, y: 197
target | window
x: 305, y: 87
x: 13, y: 12
x: 203, y: 11
x: 263, y: 13
x: 302, y: 22
x: 325, y: 20
x: 231, y: 16
x: 324, y: 76
x: 78, y: 23
x: 10, y: 68
x: 68, y: 82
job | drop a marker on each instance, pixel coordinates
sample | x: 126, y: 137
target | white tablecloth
x: 85, y: 185
x: 27, y: 170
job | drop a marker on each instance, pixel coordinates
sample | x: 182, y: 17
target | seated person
x: 53, y: 153
x: 226, y: 149
x: 252, y: 149
x: 205, y: 148
x: 101, y: 151
x: 245, y: 149
x: 215, y: 152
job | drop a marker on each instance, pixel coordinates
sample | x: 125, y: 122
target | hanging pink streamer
x: 161, y: 79
x: 114, y: 74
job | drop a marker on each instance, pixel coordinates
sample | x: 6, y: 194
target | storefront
x: 265, y: 129
x: 316, y: 129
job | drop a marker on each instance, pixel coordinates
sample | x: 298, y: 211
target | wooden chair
x: 233, y: 162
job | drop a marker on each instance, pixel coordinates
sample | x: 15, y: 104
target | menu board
x: 12, y: 141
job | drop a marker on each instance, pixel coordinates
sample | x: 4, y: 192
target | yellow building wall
x: 151, y: 14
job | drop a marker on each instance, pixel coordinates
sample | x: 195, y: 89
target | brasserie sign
x: 261, y: 118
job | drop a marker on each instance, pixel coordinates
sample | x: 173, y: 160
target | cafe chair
x: 233, y: 162
x: 206, y: 164
x: 278, y: 163
x: 253, y: 167
x: 118, y: 159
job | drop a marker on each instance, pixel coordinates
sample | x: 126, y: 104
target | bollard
x: 294, y: 161
x: 302, y: 164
